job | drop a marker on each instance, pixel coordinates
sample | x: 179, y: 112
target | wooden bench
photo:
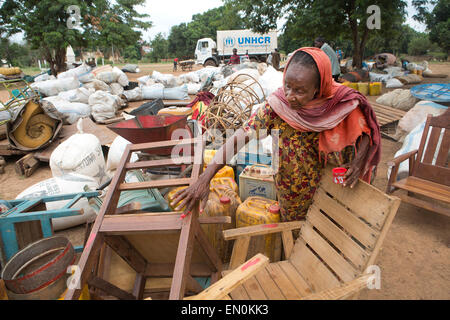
x: 429, y: 174
x: 340, y: 239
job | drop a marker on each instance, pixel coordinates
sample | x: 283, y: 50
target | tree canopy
x: 45, y: 25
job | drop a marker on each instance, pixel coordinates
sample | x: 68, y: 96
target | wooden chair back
x: 433, y: 155
x: 342, y: 234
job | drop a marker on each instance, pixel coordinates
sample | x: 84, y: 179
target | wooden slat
x: 357, y: 255
x: 387, y: 110
x: 424, y: 187
x: 431, y: 145
x: 288, y: 243
x: 239, y: 292
x: 311, y: 268
x: 334, y: 260
x: 344, y: 292
x: 110, y: 289
x: 127, y: 252
x: 126, y: 224
x: 283, y: 282
x: 296, y: 279
x: 234, y: 279
x: 159, y: 163
x: 211, y: 255
x: 346, y: 219
x: 433, y: 174
x: 139, y: 286
x: 364, y: 200
x: 156, y: 270
x: 254, y: 290
x: 262, y: 229
x: 432, y: 206
x: 159, y: 144
x: 155, y: 184
x: 239, y: 252
x: 442, y: 157
x: 269, y: 286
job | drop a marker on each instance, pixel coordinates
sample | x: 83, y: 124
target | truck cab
x: 206, y: 52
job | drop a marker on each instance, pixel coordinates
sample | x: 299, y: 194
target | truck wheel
x: 210, y: 62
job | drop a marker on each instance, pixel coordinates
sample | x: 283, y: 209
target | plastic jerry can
x: 222, y: 201
x: 175, y: 111
x: 227, y: 181
x: 375, y: 89
x: 363, y: 87
x: 226, y: 171
x: 256, y: 211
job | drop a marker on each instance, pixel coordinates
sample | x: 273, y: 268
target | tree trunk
x: 56, y: 59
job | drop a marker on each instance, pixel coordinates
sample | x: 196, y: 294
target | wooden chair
x: 153, y: 244
x: 340, y: 238
x: 429, y: 174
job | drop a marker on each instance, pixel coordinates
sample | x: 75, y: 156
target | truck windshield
x: 203, y: 44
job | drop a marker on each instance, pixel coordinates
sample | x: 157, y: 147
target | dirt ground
x: 415, y: 258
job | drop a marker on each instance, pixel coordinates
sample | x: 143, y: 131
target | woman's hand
x: 188, y: 197
x: 356, y: 167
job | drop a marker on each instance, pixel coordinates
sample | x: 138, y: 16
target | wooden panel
x: 254, y: 290
x: 126, y: 224
x: 338, y: 238
x: 110, y: 289
x: 318, y: 276
x: 269, y: 286
x: 429, y: 205
x: 238, y: 293
x: 431, y: 146
x: 346, y: 219
x: 442, y: 158
x: 296, y: 279
x: 434, y: 174
x: 364, y: 200
x: 288, y: 243
x: 127, y: 252
x: 328, y: 254
x: 262, y: 229
x: 426, y: 188
x: 159, y: 163
x: 28, y: 232
x: 154, y: 184
x: 283, y: 282
x: 239, y: 252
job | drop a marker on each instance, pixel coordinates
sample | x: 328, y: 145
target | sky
x: 166, y: 13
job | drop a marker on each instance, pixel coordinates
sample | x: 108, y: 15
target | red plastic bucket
x: 338, y: 175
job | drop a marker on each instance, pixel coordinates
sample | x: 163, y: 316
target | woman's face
x: 300, y: 85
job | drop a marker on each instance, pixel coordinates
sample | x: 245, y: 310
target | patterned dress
x: 298, y: 167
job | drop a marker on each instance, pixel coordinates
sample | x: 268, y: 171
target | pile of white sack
x: 167, y: 86
x: 76, y: 163
x: 83, y: 91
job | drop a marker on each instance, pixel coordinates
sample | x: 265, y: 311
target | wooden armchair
x: 341, y: 236
x: 429, y: 174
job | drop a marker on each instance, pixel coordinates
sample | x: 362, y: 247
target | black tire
x: 210, y: 62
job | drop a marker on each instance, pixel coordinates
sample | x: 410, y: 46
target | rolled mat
x: 36, y: 128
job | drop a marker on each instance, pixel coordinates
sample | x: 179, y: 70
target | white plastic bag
x: 121, y: 77
x: 77, y: 95
x: 103, y: 105
x: 97, y: 85
x: 44, y: 77
x: 387, y: 99
x: 404, y: 101
x: 271, y: 80
x: 116, y: 89
x: 168, y: 80
x: 71, y: 111
x: 67, y: 184
x: 53, y: 87
x: 416, y: 115
x: 155, y: 91
x: 134, y: 94
x: 116, y: 152
x: 79, y: 154
x: 76, y: 72
x: 394, y: 83
x: 193, y: 88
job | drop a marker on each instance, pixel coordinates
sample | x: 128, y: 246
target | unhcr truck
x: 257, y: 46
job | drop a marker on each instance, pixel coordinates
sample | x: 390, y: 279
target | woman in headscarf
x: 317, y: 121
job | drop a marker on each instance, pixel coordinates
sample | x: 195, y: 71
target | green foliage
x: 439, y: 24
x: 44, y: 24
x: 307, y: 19
x: 160, y: 48
x: 419, y: 45
x: 183, y: 37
